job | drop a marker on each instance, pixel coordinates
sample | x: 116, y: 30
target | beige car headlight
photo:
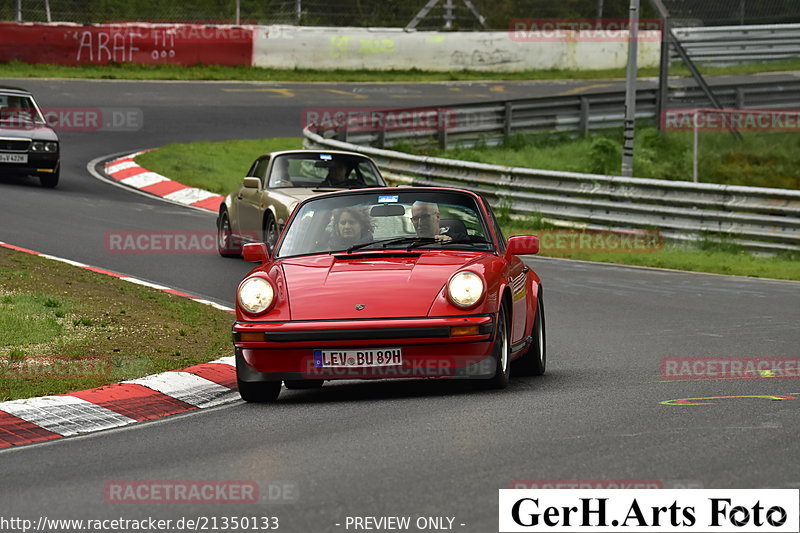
x: 256, y: 295
x: 465, y: 289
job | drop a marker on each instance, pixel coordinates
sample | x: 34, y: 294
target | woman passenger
x: 351, y: 226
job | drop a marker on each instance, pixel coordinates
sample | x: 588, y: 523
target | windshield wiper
x: 451, y: 241
x: 387, y: 242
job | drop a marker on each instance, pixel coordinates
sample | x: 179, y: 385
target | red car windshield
x: 393, y: 219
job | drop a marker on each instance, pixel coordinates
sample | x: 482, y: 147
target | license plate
x: 13, y: 158
x: 367, y: 357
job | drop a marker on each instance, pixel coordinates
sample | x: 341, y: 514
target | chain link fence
x: 732, y: 12
x: 391, y: 13
x: 362, y: 13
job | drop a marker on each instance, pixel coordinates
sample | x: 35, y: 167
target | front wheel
x: 500, y: 353
x: 534, y: 361
x: 49, y: 180
x: 259, y: 392
x: 225, y: 245
x: 270, y: 232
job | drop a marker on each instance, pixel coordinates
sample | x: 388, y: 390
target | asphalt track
x: 404, y: 448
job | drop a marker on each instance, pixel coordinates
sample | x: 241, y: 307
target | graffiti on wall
x: 344, y: 46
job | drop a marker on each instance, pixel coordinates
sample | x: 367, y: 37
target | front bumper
x: 431, y: 347
x: 38, y: 163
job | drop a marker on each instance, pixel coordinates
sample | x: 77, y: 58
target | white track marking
x: 144, y: 179
x: 189, y: 195
x: 188, y: 388
x: 116, y: 167
x: 65, y: 415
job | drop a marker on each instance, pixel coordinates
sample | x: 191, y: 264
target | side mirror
x: 522, y: 245
x: 255, y: 252
x: 251, y: 183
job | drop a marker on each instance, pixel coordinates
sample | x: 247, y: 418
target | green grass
x: 29, y: 318
x: 214, y: 166
x: 16, y: 69
x: 60, y: 320
x: 758, y: 160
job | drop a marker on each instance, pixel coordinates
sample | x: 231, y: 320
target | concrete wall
x: 141, y: 42
x: 390, y: 48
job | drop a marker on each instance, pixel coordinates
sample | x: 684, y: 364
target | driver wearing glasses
x: 425, y: 217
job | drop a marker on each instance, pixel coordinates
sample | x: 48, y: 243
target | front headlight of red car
x: 256, y: 295
x: 465, y: 289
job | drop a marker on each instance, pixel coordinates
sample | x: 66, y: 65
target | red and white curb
x: 125, y: 171
x: 51, y: 417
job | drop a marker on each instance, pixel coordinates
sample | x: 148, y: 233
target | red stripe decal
x: 219, y: 373
x: 134, y: 401
x: 15, y: 431
x: 163, y: 188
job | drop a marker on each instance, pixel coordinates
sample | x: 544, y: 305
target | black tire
x: 501, y: 352
x: 259, y: 392
x: 270, y: 232
x: 294, y: 384
x: 225, y: 244
x: 49, y: 180
x: 534, y: 361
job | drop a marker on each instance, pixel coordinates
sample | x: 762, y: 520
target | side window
x: 259, y: 169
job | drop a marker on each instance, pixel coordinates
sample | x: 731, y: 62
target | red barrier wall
x: 151, y: 44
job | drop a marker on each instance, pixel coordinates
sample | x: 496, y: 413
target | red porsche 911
x: 388, y: 283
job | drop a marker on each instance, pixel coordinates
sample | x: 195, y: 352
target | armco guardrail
x: 491, y: 122
x: 724, y: 45
x: 756, y: 218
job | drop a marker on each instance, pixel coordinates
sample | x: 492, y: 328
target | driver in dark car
x: 337, y: 176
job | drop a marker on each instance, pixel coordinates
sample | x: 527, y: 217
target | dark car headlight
x: 44, y: 146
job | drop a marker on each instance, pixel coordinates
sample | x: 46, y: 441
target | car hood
x: 292, y: 194
x: 38, y: 132
x: 387, y: 284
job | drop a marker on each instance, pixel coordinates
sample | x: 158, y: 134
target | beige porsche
x: 276, y: 183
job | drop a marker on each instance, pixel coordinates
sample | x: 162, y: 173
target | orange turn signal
x: 457, y: 331
x: 251, y: 336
